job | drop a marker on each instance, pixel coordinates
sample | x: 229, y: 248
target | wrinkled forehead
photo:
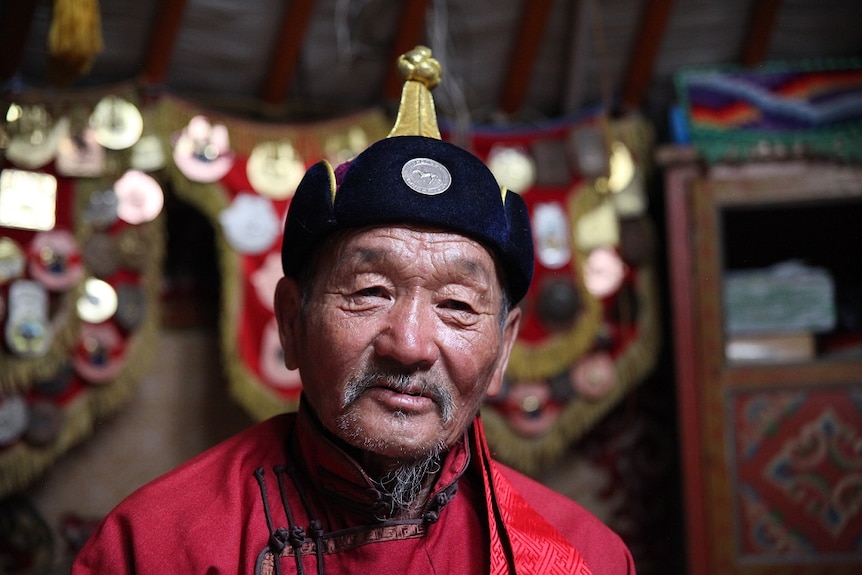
x: 372, y: 246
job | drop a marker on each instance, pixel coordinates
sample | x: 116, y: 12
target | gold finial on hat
x: 416, y: 114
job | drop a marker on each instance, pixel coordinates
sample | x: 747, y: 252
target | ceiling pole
x: 533, y: 19
x: 14, y: 29
x: 166, y: 27
x: 763, y: 16
x: 578, y: 56
x: 642, y: 58
x: 409, y: 34
x: 285, y: 54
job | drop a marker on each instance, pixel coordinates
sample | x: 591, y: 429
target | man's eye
x: 457, y: 305
x: 375, y: 291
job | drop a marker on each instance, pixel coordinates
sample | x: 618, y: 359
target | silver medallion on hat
x: 426, y: 176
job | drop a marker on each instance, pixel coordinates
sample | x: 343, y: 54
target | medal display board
x: 81, y: 246
x: 590, y: 331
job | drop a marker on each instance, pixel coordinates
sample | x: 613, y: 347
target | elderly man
x: 403, y: 269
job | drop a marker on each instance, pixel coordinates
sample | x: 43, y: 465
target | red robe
x: 283, y: 487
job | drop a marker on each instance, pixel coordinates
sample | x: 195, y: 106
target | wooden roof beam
x: 764, y: 13
x: 165, y: 29
x: 409, y: 34
x: 286, y: 52
x: 533, y: 21
x: 654, y: 18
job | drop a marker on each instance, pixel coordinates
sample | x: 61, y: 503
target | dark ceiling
x: 505, y: 61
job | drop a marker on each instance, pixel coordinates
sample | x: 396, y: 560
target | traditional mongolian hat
x: 413, y: 177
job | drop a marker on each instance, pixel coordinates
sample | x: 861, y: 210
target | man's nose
x: 409, y: 335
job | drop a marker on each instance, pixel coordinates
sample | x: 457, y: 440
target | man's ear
x: 510, y: 335
x: 288, y: 301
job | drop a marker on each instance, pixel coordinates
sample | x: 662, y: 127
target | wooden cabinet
x: 771, y: 449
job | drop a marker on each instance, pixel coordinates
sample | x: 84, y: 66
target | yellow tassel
x: 74, y: 39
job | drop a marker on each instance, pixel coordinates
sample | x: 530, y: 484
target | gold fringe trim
x: 532, y: 455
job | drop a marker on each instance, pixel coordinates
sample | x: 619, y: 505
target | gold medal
x: 622, y: 167
x: 512, y: 167
x: 598, y: 227
x: 341, y: 147
x: 117, y: 123
x: 274, y: 169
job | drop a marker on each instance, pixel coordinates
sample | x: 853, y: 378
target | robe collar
x: 340, y: 477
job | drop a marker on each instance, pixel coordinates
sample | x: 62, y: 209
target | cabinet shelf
x: 764, y: 442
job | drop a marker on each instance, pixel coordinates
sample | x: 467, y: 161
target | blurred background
x: 689, y: 368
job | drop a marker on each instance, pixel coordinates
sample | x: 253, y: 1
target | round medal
x: 98, y: 303
x: 55, y: 260
x: 532, y: 411
x: 29, y: 336
x: 558, y: 303
x: 250, y: 224
x: 594, y: 376
x: 139, y: 197
x: 202, y: 151
x: 99, y: 355
x: 603, y: 271
x: 513, y: 167
x: 117, y: 123
x: 274, y: 169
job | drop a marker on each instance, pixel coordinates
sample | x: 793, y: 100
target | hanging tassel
x: 74, y: 40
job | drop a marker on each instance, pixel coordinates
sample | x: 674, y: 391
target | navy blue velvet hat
x: 412, y: 179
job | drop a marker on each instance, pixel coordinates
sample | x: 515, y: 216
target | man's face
x: 399, y: 339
